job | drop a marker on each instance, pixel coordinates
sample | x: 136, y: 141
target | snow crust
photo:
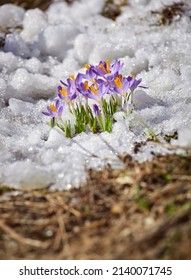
x: 57, y: 43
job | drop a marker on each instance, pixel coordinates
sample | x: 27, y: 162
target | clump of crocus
x: 93, y: 97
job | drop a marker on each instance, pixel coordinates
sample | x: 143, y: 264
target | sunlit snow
x: 44, y: 47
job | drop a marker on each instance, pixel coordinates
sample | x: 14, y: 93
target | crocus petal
x: 79, y: 78
x: 90, y: 95
x: 73, y: 96
x: 63, y: 83
x: 60, y: 110
x: 137, y: 82
x: 131, y: 81
x: 116, y: 67
x: 51, y: 113
x: 46, y: 114
x: 61, y: 96
x: 59, y: 88
x: 57, y: 104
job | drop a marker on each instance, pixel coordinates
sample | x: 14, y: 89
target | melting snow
x: 58, y: 42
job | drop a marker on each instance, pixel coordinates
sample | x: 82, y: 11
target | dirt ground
x: 141, y: 212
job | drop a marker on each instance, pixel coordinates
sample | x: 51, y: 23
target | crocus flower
x: 98, y: 90
x: 133, y: 82
x: 95, y: 82
x: 72, y: 88
x: 69, y: 91
x: 103, y: 68
x: 90, y: 73
x: 54, y: 111
x: 107, y: 70
x: 84, y: 88
x: 121, y: 84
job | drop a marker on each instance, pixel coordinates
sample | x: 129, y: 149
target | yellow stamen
x: 132, y: 76
x: 118, y: 82
x: 94, y: 90
x: 86, y: 86
x: 103, y: 68
x: 64, y: 92
x: 72, y: 77
x: 86, y: 66
x: 108, y: 66
x: 53, y: 108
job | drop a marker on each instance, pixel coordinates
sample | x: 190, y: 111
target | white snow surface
x: 58, y: 42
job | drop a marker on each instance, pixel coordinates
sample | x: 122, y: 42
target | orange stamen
x: 72, y: 77
x: 94, y: 90
x: 86, y: 66
x: 64, y: 92
x: 86, y: 86
x: 53, y: 108
x: 103, y: 68
x: 108, y: 66
x: 118, y: 82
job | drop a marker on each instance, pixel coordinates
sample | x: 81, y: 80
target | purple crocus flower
x: 84, y: 88
x: 107, y: 70
x: 98, y: 90
x: 54, y: 111
x: 90, y: 72
x: 133, y: 82
x: 121, y: 84
x: 69, y: 91
x: 103, y: 68
x: 72, y: 94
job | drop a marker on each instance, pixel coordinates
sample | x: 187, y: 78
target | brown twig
x: 61, y: 238
x: 23, y: 240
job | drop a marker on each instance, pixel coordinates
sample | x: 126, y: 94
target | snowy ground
x: 57, y: 43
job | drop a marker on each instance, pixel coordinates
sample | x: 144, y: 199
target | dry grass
x: 142, y: 212
x: 171, y: 13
